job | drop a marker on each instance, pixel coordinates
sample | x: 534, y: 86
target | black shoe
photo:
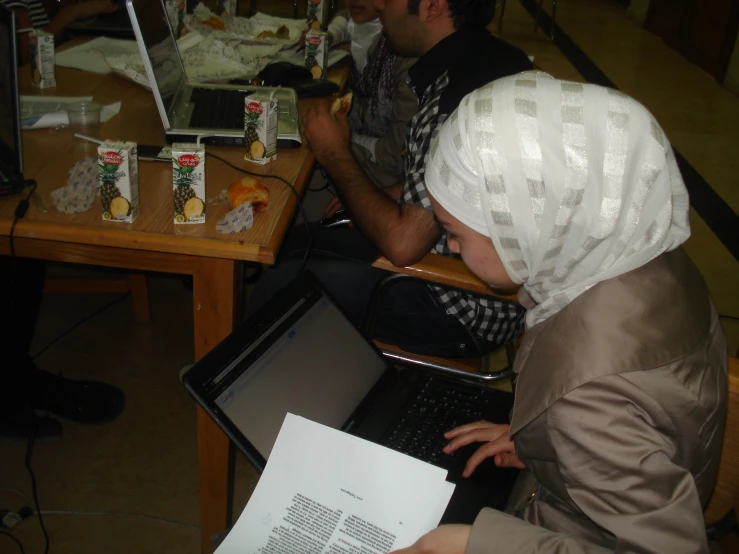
x: 81, y: 401
x: 23, y: 424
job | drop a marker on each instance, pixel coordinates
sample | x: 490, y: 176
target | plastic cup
x: 84, y: 118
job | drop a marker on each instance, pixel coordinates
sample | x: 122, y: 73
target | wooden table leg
x: 217, y: 288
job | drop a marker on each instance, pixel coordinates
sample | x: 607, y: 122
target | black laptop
x: 300, y: 354
x: 11, y: 153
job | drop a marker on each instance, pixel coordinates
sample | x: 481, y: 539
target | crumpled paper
x: 239, y: 219
x: 83, y: 184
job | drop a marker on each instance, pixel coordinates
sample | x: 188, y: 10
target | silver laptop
x: 191, y: 110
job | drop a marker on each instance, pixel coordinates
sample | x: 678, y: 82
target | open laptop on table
x: 191, y: 110
x: 11, y: 152
x: 115, y: 24
x: 300, y: 354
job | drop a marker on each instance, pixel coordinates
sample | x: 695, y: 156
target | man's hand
x: 497, y: 444
x: 329, y: 138
x: 447, y: 539
x: 333, y: 206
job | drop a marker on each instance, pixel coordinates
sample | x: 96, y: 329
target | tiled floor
x: 145, y: 463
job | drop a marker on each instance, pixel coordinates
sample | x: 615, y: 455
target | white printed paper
x: 91, y: 55
x: 326, y: 491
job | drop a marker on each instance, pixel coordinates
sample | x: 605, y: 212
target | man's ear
x: 434, y: 9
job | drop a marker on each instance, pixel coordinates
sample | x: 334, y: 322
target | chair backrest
x: 726, y: 494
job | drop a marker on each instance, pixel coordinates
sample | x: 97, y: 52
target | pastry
x: 248, y: 189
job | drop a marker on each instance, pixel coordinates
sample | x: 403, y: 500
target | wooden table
x: 153, y: 242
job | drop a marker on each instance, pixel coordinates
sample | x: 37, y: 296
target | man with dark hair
x: 457, y: 55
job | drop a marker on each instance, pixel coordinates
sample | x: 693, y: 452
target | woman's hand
x: 497, y: 445
x: 447, y: 539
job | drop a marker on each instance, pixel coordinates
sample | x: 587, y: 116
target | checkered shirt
x: 486, y: 318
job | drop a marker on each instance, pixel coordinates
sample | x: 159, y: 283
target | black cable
x: 80, y: 322
x: 292, y: 188
x: 34, y: 491
x: 735, y: 318
x: 16, y: 541
x: 20, y: 212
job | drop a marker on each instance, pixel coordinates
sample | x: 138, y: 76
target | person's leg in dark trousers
x: 341, y: 258
x: 408, y: 315
x: 26, y: 387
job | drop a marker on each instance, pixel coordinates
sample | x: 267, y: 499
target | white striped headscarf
x: 574, y: 183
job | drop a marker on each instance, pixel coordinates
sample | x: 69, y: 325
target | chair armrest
x: 444, y: 270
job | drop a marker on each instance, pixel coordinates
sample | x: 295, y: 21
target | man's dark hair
x: 465, y: 13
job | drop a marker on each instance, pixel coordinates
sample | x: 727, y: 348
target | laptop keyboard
x: 217, y: 108
x: 438, y: 407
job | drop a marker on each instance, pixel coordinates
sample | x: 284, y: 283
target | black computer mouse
x: 283, y: 73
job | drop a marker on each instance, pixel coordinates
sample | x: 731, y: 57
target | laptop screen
x: 151, y: 27
x: 311, y: 362
x: 10, y: 138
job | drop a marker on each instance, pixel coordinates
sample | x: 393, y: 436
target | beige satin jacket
x: 619, y: 415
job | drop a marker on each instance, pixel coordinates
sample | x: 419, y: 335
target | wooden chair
x: 718, y: 514
x: 450, y: 272
x: 135, y: 282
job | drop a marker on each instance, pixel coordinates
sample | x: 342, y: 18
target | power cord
x: 18, y: 543
x: 80, y: 322
x: 20, y: 212
x: 292, y: 188
x: 120, y: 514
x: 34, y: 490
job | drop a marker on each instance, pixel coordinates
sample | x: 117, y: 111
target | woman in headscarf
x: 572, y: 191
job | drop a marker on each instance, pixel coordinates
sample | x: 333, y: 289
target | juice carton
x: 119, y: 180
x: 260, y: 128
x: 316, y: 53
x: 315, y: 14
x: 188, y: 182
x: 43, y: 65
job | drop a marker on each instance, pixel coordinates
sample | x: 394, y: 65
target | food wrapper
x: 83, y: 185
x: 239, y: 219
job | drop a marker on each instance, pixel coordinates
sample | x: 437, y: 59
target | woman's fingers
x: 500, y: 445
x: 484, y: 433
x: 467, y: 427
x: 509, y: 460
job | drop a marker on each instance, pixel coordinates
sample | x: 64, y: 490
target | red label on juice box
x: 254, y: 107
x: 188, y: 160
x: 314, y: 40
x: 112, y: 158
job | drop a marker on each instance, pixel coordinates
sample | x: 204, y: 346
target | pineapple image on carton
x: 260, y: 128
x: 316, y: 53
x: 314, y: 14
x: 188, y: 182
x: 119, y: 181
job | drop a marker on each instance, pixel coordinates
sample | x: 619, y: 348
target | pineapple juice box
x: 43, y: 64
x: 260, y: 128
x: 316, y: 53
x: 315, y: 14
x: 119, y: 181
x: 188, y: 183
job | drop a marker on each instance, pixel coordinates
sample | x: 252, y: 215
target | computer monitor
x: 11, y: 154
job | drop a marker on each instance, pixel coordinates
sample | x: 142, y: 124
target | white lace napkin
x: 83, y: 184
x: 239, y: 219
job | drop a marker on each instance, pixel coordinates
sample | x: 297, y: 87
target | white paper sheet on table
x: 40, y: 112
x: 326, y: 487
x: 91, y: 55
